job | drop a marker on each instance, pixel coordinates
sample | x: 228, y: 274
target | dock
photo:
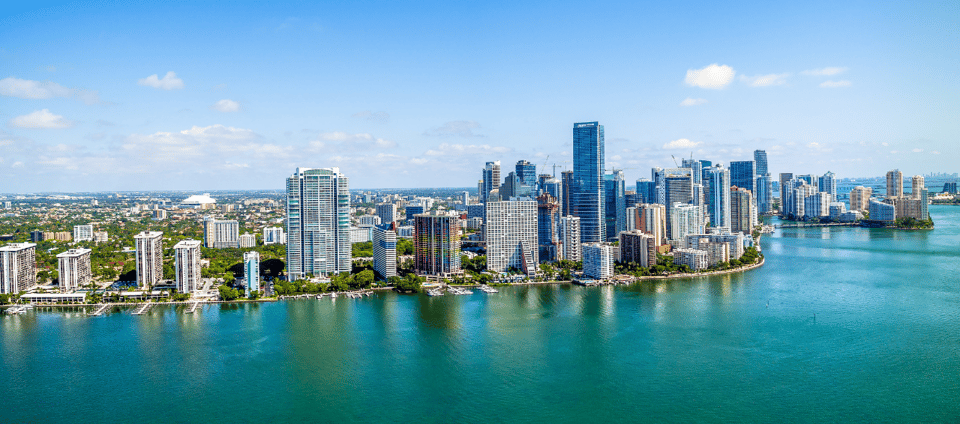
x: 193, y: 308
x: 142, y: 308
x: 101, y: 310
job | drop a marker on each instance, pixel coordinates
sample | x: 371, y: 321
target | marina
x: 142, y: 308
x: 193, y: 307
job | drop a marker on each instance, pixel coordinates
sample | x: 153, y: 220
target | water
x: 841, y: 324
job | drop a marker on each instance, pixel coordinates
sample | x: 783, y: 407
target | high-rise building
x: 187, y: 266
x: 598, y: 260
x: 638, y: 247
x: 566, y: 200
x: 860, y: 198
x: 437, y: 244
x: 894, y: 184
x: 741, y: 210
x: 251, y: 272
x: 387, y: 213
x: 570, y: 238
x: 74, y: 269
x: 785, y: 178
x: 685, y: 219
x: 916, y: 186
x: 513, y: 187
x: 553, y: 187
x: 273, y: 235
x: 881, y: 211
x: 384, y: 252
x: 743, y: 173
x: 763, y: 185
x: 247, y: 240
x: 760, y: 159
x: 816, y: 205
x: 83, y: 232
x: 511, y: 236
x: 651, y: 218
x: 491, y: 179
x: 221, y: 234
x: 717, y: 182
x: 527, y: 174
x: 548, y: 227
x: 828, y: 184
x: 659, y: 175
x: 149, y: 258
x: 615, y: 208
x: 18, y: 267
x: 692, y: 258
x: 678, y: 188
x: 646, y: 191
x: 588, y: 160
x: 318, y: 222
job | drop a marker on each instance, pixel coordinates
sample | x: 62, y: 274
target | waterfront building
x: 387, y: 213
x: 566, y: 200
x: 614, y: 187
x: 851, y: 216
x: 83, y: 232
x: 651, y: 218
x: 880, y: 211
x: 384, y: 252
x: 598, y: 260
x: 741, y: 210
x: 916, y: 186
x: 717, y: 182
x: 74, y: 269
x: 437, y: 244
x: 717, y: 250
x: 247, y: 240
x: 251, y: 272
x: 273, y: 235
x: 149, y: 258
x: 692, y: 258
x: 828, y: 184
x: 511, y: 236
x: 588, y: 166
x: 221, y: 234
x: 950, y: 187
x: 18, y: 267
x: 318, y: 221
x: 785, y: 178
x: 735, y: 241
x: 187, y: 266
x: 763, y: 186
x: 548, y: 227
x: 910, y: 207
x: 678, y: 190
x: 638, y: 247
x: 836, y: 209
x: 570, y: 238
x: 490, y: 181
x: 860, y: 198
x: 817, y: 205
x: 685, y: 219
x: 894, y: 185
x: 743, y: 174
x: 527, y: 174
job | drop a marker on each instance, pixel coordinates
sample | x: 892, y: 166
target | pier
x: 193, y: 308
x: 101, y: 310
x: 142, y: 309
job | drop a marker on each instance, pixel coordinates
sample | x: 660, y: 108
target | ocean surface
x: 840, y: 325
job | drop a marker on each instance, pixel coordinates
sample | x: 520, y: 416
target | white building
x: 880, y: 211
x: 735, y: 241
x: 318, y: 221
x: 360, y: 234
x: 387, y: 212
x: 686, y: 219
x: 511, y: 236
x: 199, y: 201
x: 149, y: 258
x: 384, y: 252
x: 405, y: 231
x: 248, y: 240
x: 693, y: 258
x: 83, y: 232
x: 18, y: 267
x: 219, y: 234
x: 570, y: 238
x: 100, y: 237
x: 251, y: 272
x: 73, y: 267
x: 598, y: 260
x: 187, y: 265
x: 369, y: 221
x: 273, y: 235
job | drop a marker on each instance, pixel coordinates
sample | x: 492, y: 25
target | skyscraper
x: 785, y: 178
x: 916, y: 186
x: 436, y: 241
x: 74, y: 269
x: 566, y: 201
x: 83, y: 232
x: 860, y: 198
x: 570, y: 238
x: 548, y: 227
x: 828, y: 184
x: 221, y: 234
x: 646, y: 191
x: 18, y: 267
x: 527, y: 174
x: 717, y: 181
x: 318, y: 222
x: 187, y: 265
x: 598, y: 260
x: 651, y: 219
x: 491, y: 179
x: 588, y: 165
x: 511, y: 235
x: 385, y: 251
x: 741, y: 210
x: 614, y: 188
x: 387, y: 213
x: 251, y: 272
x: 743, y: 173
x: 894, y: 183
x: 760, y: 158
x: 149, y: 258
x: 678, y: 188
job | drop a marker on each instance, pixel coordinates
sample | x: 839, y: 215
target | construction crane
x: 544, y: 165
x: 675, y: 160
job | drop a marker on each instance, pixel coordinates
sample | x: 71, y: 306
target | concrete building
x: 836, y: 209
x: 785, y: 178
x: 880, y: 211
x: 860, y: 198
x: 369, y: 221
x: 187, y: 266
x: 18, y: 267
x: 221, y: 234
x: 678, y: 189
x: 83, y: 232
x: 437, y: 245
x: 894, y: 185
x: 741, y: 210
x: 614, y: 195
x: 273, y: 235
x: 828, y: 184
x: 512, y: 236
x: 817, y: 205
x: 598, y: 260
x: 651, y: 218
x: 100, y: 237
x: 735, y: 241
x: 251, y: 273
x: 318, y: 221
x: 639, y: 248
x: 149, y: 258
x: 387, y: 213
x: 692, y: 258
x: 384, y: 252
x: 570, y: 239
x: 686, y: 219
x: 360, y: 234
x: 74, y: 269
x: 490, y: 180
x: 247, y: 240
x: 916, y: 187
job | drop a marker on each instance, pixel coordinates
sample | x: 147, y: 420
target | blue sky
x: 144, y: 95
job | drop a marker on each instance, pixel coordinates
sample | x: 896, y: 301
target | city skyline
x: 134, y: 97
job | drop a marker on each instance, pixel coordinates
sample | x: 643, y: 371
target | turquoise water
x: 841, y: 324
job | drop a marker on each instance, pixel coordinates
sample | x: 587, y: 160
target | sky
x: 120, y: 96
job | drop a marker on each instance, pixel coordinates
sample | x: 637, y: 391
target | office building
x: 548, y: 227
x: 187, y: 266
x: 318, y: 222
x: 785, y: 178
x: 527, y: 174
x: 248, y: 240
x: 387, y: 213
x: 473, y: 211
x: 83, y: 232
x: 717, y: 182
x: 384, y: 252
x: 18, y: 267
x: 860, y: 198
x: 658, y: 176
x: 570, y: 238
x: 614, y: 187
x: 646, y: 191
x: 598, y: 260
x: 741, y: 210
x: 760, y: 161
x: 221, y: 234
x: 437, y: 244
x: 511, y: 235
x: 894, y: 185
x: 273, y: 235
x: 588, y: 163
x: 251, y: 273
x: 412, y: 210
x: 566, y: 200
x: 149, y: 258
x: 743, y: 174
x: 490, y: 181
x: 74, y: 269
x: 639, y: 248
x: 678, y: 190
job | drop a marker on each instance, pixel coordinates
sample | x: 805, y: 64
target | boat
x: 434, y: 292
x: 488, y: 289
x: 333, y: 295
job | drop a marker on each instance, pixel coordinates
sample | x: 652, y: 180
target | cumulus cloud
x: 168, y: 82
x: 371, y: 116
x: 339, y: 141
x: 712, y: 77
x: 692, y: 102
x: 825, y: 71
x: 29, y: 89
x: 682, y: 143
x: 835, y: 84
x: 455, y: 128
x: 226, y: 105
x: 917, y: 150
x: 765, y: 80
x: 40, y: 119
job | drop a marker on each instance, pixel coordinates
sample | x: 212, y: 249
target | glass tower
x: 743, y: 173
x: 527, y: 173
x: 318, y: 221
x: 588, y: 202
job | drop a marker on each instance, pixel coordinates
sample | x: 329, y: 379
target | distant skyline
x: 159, y: 96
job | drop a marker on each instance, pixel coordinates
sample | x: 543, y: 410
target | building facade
x: 221, y: 234
x: 273, y: 235
x: 387, y: 213
x: 74, y: 269
x: 512, y: 236
x: 588, y: 168
x: 639, y: 248
x: 318, y: 222
x: 149, y: 258
x: 598, y: 260
x: 83, y: 232
x: 436, y: 242
x: 247, y: 240
x: 186, y: 255
x: 548, y: 227
x: 251, y: 272
x: 894, y: 184
x: 384, y: 252
x: 860, y: 198
x: 18, y: 267
x: 570, y: 238
x: 741, y: 210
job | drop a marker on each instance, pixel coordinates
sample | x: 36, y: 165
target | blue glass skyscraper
x: 588, y: 202
x: 615, y: 207
x: 527, y: 173
x: 743, y: 173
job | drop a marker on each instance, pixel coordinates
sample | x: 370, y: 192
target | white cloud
x: 372, y: 116
x: 713, y: 76
x: 692, y: 102
x: 168, y: 82
x: 29, y: 89
x: 835, y: 84
x: 765, y: 80
x: 825, y: 71
x: 455, y: 128
x: 40, y: 119
x: 339, y: 141
x: 682, y: 144
x: 446, y: 149
x: 917, y: 150
x: 226, y: 105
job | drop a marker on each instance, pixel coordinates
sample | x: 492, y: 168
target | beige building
x: 741, y: 210
x: 149, y: 257
x: 187, y: 265
x: 651, y: 218
x: 894, y: 184
x: 860, y: 198
x: 638, y: 247
x: 74, y: 269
